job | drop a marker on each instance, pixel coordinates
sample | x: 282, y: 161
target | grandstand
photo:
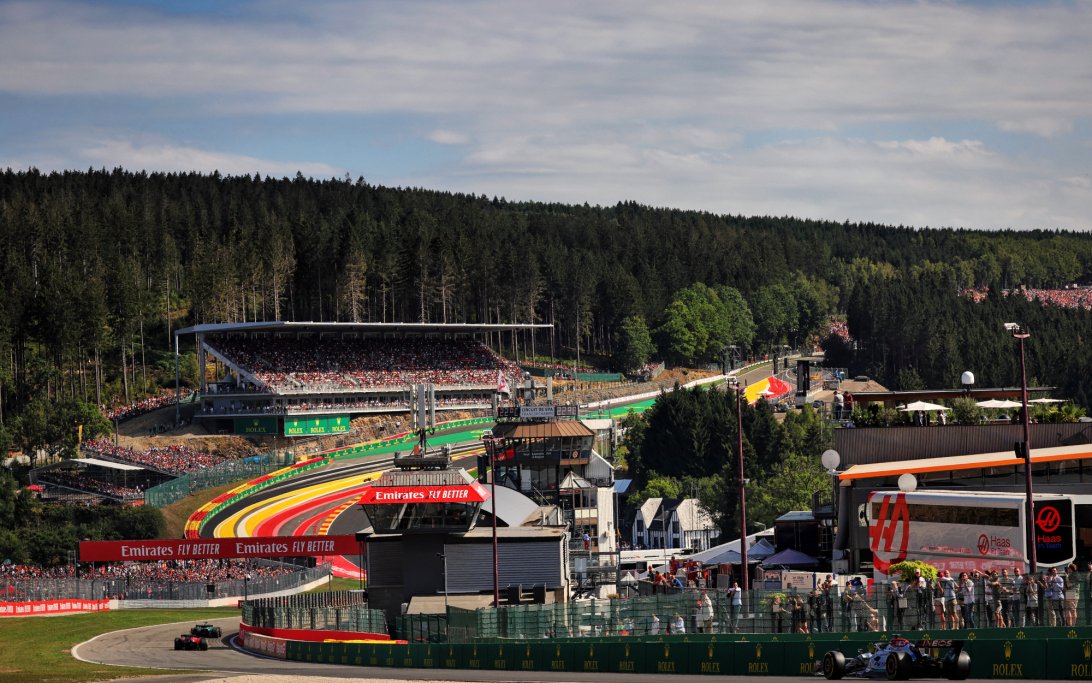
x: 271, y: 373
x: 95, y: 480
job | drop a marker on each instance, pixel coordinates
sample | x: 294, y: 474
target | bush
x: 906, y: 570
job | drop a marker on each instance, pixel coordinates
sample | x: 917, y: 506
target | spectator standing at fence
x: 1031, y: 599
x: 1006, y: 591
x: 815, y: 608
x: 1072, y: 594
x: 828, y: 602
x: 948, y: 610
x: 918, y: 587
x: 706, y: 607
x: 991, y: 599
x: 1055, y: 598
x: 896, y: 595
x: 653, y: 625
x: 735, y: 594
x: 777, y: 613
x: 839, y: 404
x: 677, y: 624
x: 967, y: 592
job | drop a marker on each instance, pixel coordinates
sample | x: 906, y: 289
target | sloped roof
x: 574, y: 481
x: 790, y: 558
x: 541, y: 430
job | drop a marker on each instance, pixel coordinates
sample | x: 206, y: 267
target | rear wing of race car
x: 955, y: 646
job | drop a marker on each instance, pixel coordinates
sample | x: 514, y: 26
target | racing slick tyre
x: 897, y: 666
x: 177, y: 645
x: 203, y: 646
x: 957, y: 668
x: 834, y: 665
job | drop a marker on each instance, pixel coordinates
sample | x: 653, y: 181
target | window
x: 950, y: 514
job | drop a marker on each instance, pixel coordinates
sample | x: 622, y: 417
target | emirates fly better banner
x: 386, y: 495
x: 217, y: 548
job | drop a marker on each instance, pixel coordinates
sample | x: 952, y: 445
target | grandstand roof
x: 292, y: 326
x: 541, y: 430
x: 106, y: 463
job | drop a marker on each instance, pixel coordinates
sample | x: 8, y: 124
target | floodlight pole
x: 491, y: 449
x: 1020, y: 334
x: 742, y: 494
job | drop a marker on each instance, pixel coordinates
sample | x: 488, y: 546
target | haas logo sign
x: 889, y: 532
x: 1048, y: 519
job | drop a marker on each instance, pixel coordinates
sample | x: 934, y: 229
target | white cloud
x: 448, y: 137
x: 155, y: 156
x: 699, y: 104
x: 1043, y: 126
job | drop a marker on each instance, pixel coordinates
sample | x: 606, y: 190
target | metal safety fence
x: 329, y: 611
x: 849, y: 609
x: 224, y: 473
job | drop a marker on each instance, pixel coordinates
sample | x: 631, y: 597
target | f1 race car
x: 206, y: 631
x: 188, y: 641
x: 900, y: 659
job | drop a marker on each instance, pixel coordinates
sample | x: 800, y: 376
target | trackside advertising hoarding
x: 386, y: 495
x: 217, y: 548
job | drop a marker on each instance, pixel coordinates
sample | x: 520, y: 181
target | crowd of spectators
x: 1072, y: 296
x: 163, y: 571
x: 284, y: 365
x: 839, y: 328
x: 378, y: 404
x: 175, y: 459
x: 82, y: 481
x: 147, y: 405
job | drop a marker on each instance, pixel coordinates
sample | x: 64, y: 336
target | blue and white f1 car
x: 900, y: 659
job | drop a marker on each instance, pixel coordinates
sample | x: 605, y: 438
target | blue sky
x: 964, y: 114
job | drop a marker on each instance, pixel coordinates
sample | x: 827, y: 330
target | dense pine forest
x: 98, y: 268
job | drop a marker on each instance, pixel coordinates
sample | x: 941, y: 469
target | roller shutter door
x: 470, y: 566
x: 385, y: 567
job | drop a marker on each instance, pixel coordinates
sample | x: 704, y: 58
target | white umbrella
x: 998, y: 403
x: 1046, y: 400
x: 922, y: 405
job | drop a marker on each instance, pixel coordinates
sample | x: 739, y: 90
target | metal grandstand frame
x: 368, y: 329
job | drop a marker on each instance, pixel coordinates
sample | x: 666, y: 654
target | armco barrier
x: 1051, y: 653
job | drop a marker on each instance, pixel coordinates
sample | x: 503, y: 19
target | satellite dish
x: 908, y: 483
x: 831, y: 459
x: 967, y: 378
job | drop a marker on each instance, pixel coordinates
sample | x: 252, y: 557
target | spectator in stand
x: 174, y: 459
x: 147, y: 405
x: 283, y: 365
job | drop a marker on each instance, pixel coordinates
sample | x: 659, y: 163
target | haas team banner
x: 217, y: 548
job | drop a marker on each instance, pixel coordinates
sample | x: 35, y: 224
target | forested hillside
x: 97, y: 268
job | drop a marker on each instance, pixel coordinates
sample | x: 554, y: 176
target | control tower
x: 546, y: 453
x: 427, y: 547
